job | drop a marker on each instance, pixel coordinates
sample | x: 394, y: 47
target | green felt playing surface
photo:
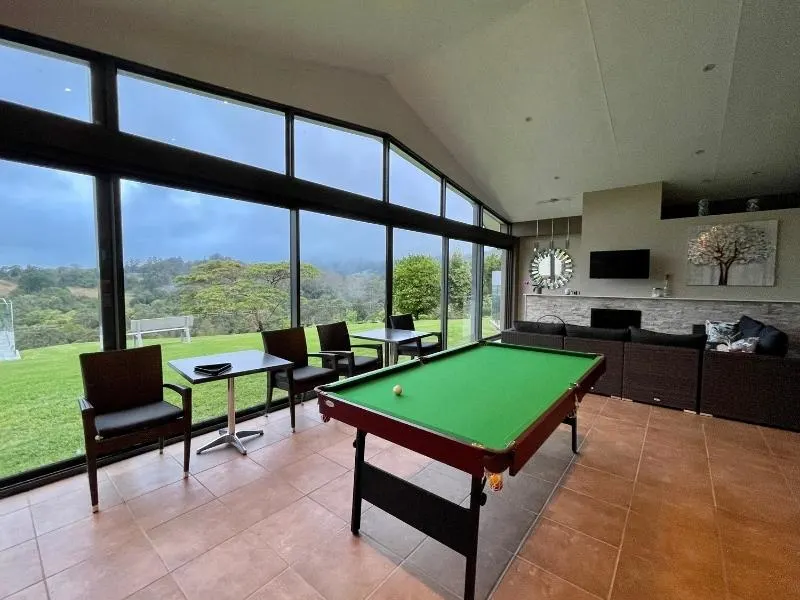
x: 487, y: 394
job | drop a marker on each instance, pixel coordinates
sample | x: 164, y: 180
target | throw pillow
x: 644, y: 336
x: 721, y: 332
x: 750, y: 327
x: 744, y: 345
x: 772, y: 341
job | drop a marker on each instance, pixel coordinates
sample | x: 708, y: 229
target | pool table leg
x: 355, y: 516
x: 476, y: 499
x: 575, y: 434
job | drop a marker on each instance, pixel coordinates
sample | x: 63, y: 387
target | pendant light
x: 566, y: 243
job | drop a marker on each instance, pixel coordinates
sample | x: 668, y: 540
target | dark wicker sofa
x: 752, y: 387
x: 608, y: 342
x: 528, y: 333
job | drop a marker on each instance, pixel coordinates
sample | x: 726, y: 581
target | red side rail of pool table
x: 456, y: 453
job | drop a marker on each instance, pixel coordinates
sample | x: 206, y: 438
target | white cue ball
x: 397, y: 390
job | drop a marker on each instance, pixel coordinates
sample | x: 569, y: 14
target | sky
x: 47, y: 216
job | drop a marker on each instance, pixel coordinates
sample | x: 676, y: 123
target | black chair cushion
x: 644, y: 336
x: 542, y: 328
x: 362, y: 363
x: 134, y: 419
x: 772, y: 341
x: 598, y: 333
x: 428, y: 346
x: 309, y: 375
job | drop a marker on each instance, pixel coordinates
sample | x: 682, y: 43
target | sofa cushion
x: 542, y: 328
x: 645, y: 336
x: 721, y: 332
x: 750, y: 327
x: 598, y: 333
x: 772, y: 341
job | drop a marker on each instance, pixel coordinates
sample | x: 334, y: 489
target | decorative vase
x: 703, y: 207
x: 667, y: 287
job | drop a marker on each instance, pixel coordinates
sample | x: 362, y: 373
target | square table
x: 392, y: 338
x: 245, y: 362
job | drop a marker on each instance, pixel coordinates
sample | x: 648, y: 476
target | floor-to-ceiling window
x: 417, y: 278
x: 412, y: 185
x: 222, y: 264
x: 49, y: 311
x: 460, y: 293
x: 493, y: 285
x: 458, y: 207
x: 342, y: 273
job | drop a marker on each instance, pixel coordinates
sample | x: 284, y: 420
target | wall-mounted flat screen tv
x: 619, y: 264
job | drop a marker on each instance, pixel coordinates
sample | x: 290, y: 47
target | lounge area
x: 399, y: 300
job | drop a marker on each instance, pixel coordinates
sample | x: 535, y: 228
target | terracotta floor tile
x: 660, y: 471
x: 263, y: 497
x: 525, y: 491
x: 638, y: 578
x: 685, y: 438
x: 446, y: 567
x: 453, y: 488
x: 781, y: 511
x: 63, y: 487
x: 344, y: 453
x: 599, y: 484
x: 588, y: 515
x: 503, y: 524
x: 674, y: 502
x: 38, y: 591
x: 233, y: 570
x: 168, y: 502
x: 319, y: 437
x: 286, y: 586
x: 558, y: 445
x: 110, y: 576
x: 593, y: 403
x: 295, y: 530
x: 15, y: 528
x: 767, y: 480
x: 614, y: 456
x: 135, y: 462
x: 407, y: 583
x: 524, y: 580
x: 183, y: 538
x: 19, y: 568
x: 399, y: 461
x: 676, y: 454
x: 161, y: 589
x: 230, y: 475
x: 545, y: 467
x: 631, y: 412
x: 675, y: 419
x: 73, y: 506
x: 311, y: 473
x: 13, y: 503
x: 358, y: 569
x: 722, y: 434
x: 148, y: 477
x: 280, y: 454
x: 390, y: 532
x: 209, y: 458
x: 782, y: 443
x: 337, y: 496
x: 100, y: 533
x: 578, y: 558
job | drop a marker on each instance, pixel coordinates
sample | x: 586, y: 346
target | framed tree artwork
x: 733, y: 254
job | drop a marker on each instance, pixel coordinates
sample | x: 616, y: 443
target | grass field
x: 39, y: 418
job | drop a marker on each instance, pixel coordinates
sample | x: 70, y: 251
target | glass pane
x: 412, y: 185
x: 220, y: 265
x: 493, y: 305
x: 458, y: 207
x: 210, y: 124
x: 417, y: 282
x: 46, y: 81
x: 338, y: 158
x: 49, y: 312
x: 341, y: 281
x: 491, y: 222
x: 460, y: 285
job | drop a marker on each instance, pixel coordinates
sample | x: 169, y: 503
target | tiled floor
x: 658, y: 505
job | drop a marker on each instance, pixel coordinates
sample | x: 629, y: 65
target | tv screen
x: 619, y: 264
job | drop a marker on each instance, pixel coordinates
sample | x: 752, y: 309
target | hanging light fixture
x: 566, y: 243
x: 552, y: 233
x: 536, y: 241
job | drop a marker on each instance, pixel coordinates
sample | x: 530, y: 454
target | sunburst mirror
x: 551, y: 268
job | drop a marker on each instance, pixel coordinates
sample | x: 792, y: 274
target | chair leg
x: 291, y: 409
x: 187, y: 452
x: 91, y: 469
x: 161, y: 445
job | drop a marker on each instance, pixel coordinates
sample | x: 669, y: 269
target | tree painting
x: 724, y: 246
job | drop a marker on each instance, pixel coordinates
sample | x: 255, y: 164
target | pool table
x: 483, y: 408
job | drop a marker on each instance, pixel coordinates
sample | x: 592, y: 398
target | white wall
x: 359, y: 98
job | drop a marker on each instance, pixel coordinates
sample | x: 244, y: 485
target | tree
x: 417, y: 284
x: 34, y: 279
x: 259, y: 291
x: 723, y: 246
x: 459, y: 283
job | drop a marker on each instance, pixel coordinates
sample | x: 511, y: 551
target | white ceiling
x: 615, y: 89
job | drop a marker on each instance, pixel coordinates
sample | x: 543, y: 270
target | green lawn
x: 39, y: 418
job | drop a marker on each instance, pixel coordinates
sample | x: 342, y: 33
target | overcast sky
x: 47, y: 216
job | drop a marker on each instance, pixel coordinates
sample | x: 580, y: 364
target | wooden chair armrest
x: 329, y: 358
x: 85, y: 406
x: 186, y: 397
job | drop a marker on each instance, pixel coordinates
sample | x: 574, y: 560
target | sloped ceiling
x: 547, y: 99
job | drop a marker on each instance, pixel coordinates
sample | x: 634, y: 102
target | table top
x: 244, y: 362
x: 487, y: 394
x: 393, y: 336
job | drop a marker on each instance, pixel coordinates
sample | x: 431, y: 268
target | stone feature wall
x: 669, y: 315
